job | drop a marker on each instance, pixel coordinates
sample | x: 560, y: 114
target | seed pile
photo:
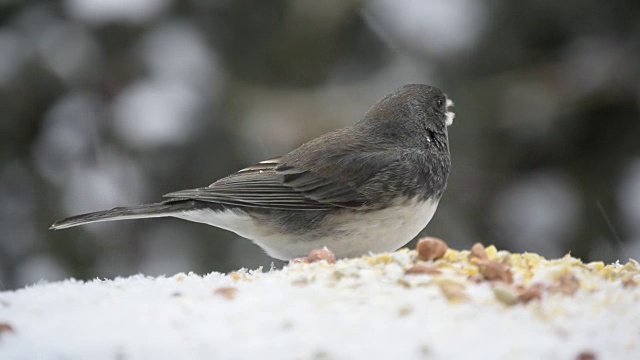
x: 513, y: 278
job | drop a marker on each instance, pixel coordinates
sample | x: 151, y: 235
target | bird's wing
x: 257, y: 186
x: 338, y: 180
x: 301, y: 180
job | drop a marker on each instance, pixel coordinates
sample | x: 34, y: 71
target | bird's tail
x: 125, y: 213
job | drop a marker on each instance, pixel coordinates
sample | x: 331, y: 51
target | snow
x: 357, y: 308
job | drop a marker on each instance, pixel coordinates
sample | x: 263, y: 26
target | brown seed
x: 300, y: 282
x: 629, y: 283
x: 478, y: 252
x: 586, y: 355
x: 568, y: 284
x: 431, y: 248
x: 495, y: 271
x: 527, y: 294
x: 422, y: 269
x: 5, y: 328
x: 226, y: 292
x: 321, y: 254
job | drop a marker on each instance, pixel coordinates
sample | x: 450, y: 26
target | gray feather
x: 163, y: 209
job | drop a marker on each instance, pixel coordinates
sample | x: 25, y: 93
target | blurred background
x: 108, y: 103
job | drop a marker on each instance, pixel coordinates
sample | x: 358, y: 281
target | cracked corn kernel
x: 506, y: 295
x: 491, y: 251
x: 596, y: 265
x: 454, y: 292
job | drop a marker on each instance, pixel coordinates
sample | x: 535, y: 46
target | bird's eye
x: 430, y: 135
x: 440, y: 102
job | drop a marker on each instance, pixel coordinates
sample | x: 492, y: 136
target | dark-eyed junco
x: 369, y: 187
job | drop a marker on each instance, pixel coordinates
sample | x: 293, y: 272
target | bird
x: 370, y: 187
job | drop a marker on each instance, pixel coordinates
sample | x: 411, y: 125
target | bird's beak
x: 449, y: 114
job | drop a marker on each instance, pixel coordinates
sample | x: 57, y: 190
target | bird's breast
x: 346, y: 232
x: 382, y: 230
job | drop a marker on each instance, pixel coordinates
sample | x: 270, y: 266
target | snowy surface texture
x: 363, y: 308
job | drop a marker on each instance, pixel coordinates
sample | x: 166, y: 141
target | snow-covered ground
x: 363, y: 308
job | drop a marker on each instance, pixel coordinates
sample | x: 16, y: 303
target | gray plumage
x: 397, y: 153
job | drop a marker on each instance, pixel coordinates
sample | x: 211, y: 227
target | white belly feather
x: 353, y: 233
